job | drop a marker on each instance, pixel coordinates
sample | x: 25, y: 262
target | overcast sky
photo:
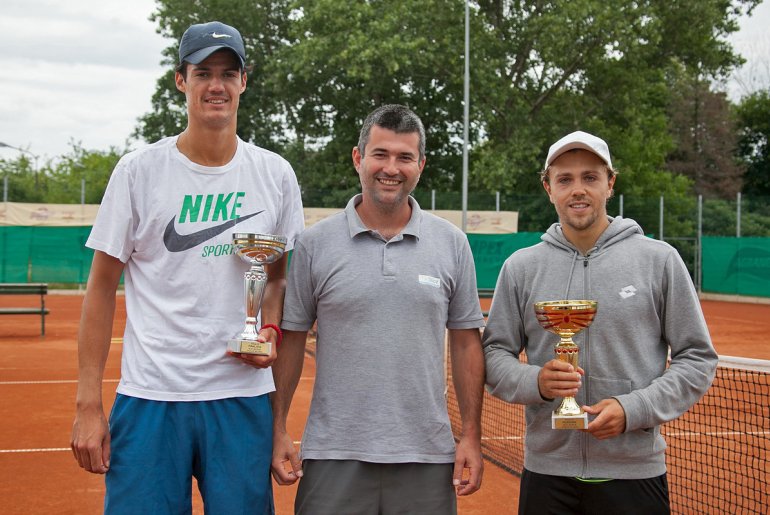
x: 85, y: 70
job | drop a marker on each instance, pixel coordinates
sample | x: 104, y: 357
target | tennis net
x: 717, y: 454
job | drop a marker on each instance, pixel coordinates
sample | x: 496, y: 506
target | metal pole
x: 621, y: 206
x: 432, y: 200
x: 660, y: 221
x: 466, y: 111
x: 5, y: 189
x: 82, y: 191
x: 699, y: 248
x: 35, y: 156
x: 738, y: 217
x: 497, y: 201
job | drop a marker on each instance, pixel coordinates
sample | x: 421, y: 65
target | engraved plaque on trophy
x: 258, y: 250
x: 566, y: 318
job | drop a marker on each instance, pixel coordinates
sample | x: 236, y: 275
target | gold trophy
x: 566, y: 318
x: 258, y: 250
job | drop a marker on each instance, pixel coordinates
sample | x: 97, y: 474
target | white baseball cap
x: 579, y: 139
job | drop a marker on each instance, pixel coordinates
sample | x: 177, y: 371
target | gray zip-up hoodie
x: 646, y: 305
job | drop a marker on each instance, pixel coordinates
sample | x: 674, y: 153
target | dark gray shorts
x: 340, y: 487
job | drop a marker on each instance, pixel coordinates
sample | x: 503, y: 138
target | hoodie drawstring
x: 571, y: 272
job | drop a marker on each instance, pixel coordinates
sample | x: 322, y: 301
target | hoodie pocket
x: 639, y: 443
x: 606, y: 388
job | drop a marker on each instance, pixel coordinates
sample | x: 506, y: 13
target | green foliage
x: 704, y: 131
x: 553, y: 67
x: 81, y: 167
x: 263, y: 25
x: 346, y: 58
x: 61, y: 182
x: 720, y: 217
x: 23, y: 179
x: 538, y: 70
x: 753, y: 114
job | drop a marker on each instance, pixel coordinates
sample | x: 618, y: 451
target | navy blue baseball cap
x: 201, y: 40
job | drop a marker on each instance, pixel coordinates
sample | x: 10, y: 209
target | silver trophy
x: 258, y: 250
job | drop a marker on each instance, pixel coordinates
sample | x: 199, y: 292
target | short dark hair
x: 397, y: 118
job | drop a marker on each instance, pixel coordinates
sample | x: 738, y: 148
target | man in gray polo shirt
x: 384, y: 280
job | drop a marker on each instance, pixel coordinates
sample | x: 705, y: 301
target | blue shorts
x: 158, y: 447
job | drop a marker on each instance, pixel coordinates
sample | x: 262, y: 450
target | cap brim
x: 201, y: 55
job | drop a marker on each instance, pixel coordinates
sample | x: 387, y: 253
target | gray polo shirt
x: 382, y: 309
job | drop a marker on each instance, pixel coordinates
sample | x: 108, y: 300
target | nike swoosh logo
x: 217, y: 36
x: 176, y: 242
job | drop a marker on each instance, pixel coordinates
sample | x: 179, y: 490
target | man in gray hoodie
x: 647, y: 307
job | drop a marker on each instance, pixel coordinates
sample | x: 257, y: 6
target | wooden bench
x: 26, y: 289
x: 486, y: 293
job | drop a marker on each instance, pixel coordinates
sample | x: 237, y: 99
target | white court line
x: 674, y: 435
x: 73, y: 381
x: 720, y: 318
x: 52, y: 449
x: 59, y: 449
x: 718, y: 433
x: 54, y: 381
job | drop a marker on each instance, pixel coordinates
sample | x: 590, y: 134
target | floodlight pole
x: 34, y: 156
x: 466, y: 111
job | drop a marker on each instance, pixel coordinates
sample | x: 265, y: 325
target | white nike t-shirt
x: 171, y: 222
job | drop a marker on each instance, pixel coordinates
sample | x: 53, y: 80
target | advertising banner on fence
x: 478, y: 222
x: 29, y: 232
x: 78, y: 215
x: 47, y: 215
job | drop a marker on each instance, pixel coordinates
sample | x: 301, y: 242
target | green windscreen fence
x: 491, y: 250
x: 44, y: 254
x: 739, y: 266
x: 59, y: 254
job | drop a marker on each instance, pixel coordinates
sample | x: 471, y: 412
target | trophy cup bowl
x: 257, y: 250
x: 566, y: 318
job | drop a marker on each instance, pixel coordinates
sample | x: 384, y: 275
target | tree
x: 539, y: 69
x: 263, y: 25
x: 80, y: 167
x: 24, y: 180
x: 753, y: 114
x: 346, y: 58
x: 60, y: 181
x: 703, y: 127
x: 557, y: 66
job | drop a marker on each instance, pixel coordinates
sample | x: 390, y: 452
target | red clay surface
x: 38, y: 376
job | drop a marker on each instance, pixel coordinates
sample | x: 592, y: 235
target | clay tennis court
x: 38, y: 377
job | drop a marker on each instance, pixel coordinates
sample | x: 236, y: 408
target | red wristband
x: 277, y: 331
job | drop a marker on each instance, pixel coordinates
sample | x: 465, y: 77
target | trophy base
x: 569, y: 421
x: 249, y: 347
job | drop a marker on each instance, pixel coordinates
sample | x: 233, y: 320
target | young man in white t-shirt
x: 185, y: 407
